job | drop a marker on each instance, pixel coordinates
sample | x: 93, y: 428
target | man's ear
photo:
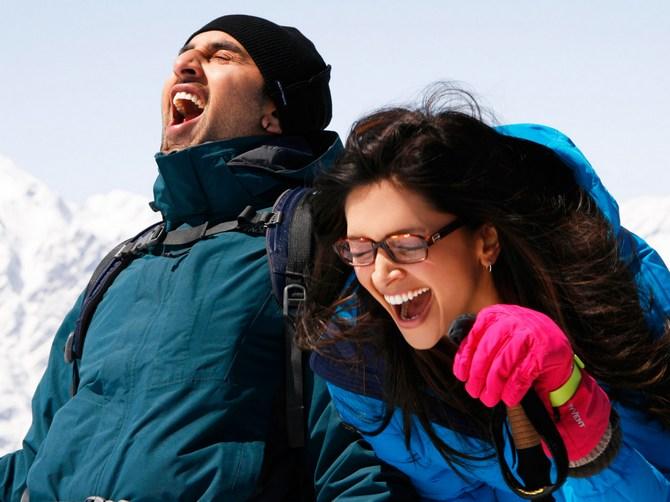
x: 490, y: 245
x: 270, y: 119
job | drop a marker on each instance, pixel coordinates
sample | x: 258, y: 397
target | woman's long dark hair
x: 558, y: 256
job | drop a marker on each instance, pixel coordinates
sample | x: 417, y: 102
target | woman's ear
x: 489, y: 245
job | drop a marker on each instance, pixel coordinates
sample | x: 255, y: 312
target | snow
x: 649, y: 217
x: 49, y: 247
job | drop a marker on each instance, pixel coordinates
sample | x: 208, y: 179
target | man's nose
x: 188, y: 66
x: 385, y: 271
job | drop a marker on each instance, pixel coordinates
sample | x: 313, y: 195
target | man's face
x: 215, y: 92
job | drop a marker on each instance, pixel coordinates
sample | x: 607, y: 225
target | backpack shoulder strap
x: 293, y: 299
x: 124, y: 253
x: 289, y: 249
x: 101, y: 279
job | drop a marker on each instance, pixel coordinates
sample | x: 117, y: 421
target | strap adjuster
x: 143, y: 242
x: 294, y: 296
x: 251, y: 220
x: 146, y: 241
x: 274, y: 218
x: 68, y: 354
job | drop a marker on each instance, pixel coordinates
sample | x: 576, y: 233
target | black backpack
x: 288, y: 230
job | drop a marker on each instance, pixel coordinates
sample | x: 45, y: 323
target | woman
x: 441, y: 215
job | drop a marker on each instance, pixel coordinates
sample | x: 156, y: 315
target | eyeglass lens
x: 400, y: 248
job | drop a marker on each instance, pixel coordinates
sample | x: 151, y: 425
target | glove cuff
x: 602, y: 455
x: 583, y: 421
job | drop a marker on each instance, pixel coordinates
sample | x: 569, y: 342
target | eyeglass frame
x: 449, y: 228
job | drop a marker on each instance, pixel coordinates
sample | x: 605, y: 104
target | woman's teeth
x: 405, y: 297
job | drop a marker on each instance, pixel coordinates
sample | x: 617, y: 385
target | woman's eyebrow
x: 401, y: 231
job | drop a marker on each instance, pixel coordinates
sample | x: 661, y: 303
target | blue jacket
x: 641, y: 470
x: 184, y: 359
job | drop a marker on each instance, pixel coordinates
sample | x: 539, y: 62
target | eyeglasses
x: 401, y: 248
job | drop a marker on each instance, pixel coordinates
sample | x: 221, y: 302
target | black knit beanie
x: 296, y: 77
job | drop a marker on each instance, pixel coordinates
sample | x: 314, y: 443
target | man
x: 183, y: 362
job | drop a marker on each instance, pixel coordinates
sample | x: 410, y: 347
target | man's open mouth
x: 409, y: 306
x: 186, y: 107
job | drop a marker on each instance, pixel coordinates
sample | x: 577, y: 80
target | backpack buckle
x: 273, y: 218
x: 144, y: 242
x: 294, y: 296
x: 250, y: 220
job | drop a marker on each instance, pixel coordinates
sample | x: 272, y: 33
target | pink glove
x: 511, y: 348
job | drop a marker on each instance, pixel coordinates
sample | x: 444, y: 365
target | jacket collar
x: 215, y: 181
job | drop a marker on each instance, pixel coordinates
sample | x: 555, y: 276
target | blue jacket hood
x: 651, y: 274
x: 584, y: 173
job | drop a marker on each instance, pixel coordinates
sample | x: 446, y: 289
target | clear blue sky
x: 81, y: 79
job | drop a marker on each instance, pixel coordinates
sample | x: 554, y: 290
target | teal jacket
x: 184, y: 358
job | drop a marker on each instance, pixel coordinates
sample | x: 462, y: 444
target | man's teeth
x: 186, y: 96
x: 405, y: 297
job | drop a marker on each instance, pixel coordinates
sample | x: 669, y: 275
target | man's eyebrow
x: 216, y: 46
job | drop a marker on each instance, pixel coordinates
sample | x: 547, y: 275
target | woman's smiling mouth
x: 410, y: 306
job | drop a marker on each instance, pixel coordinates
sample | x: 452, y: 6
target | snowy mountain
x: 649, y: 217
x: 49, y: 247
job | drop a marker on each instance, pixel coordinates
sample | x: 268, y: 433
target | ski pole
x: 525, y: 419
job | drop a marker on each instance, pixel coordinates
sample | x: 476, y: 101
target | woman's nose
x: 385, y: 271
